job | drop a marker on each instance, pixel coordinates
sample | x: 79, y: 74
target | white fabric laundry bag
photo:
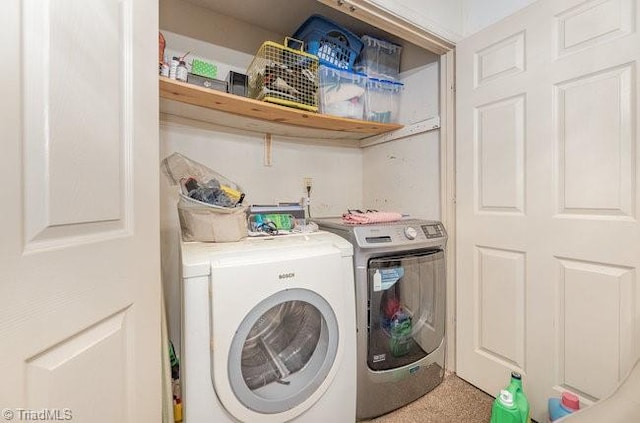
x: 210, y: 206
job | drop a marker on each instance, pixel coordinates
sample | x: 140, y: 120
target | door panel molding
x: 591, y: 23
x: 77, y: 159
x: 596, y: 149
x: 56, y: 372
x: 500, y: 307
x: 596, y: 305
x: 501, y: 59
x: 499, y: 133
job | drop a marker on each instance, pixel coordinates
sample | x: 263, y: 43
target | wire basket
x: 284, y: 75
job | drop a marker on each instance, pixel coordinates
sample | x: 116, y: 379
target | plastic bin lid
x: 376, y: 42
x: 340, y: 71
x: 386, y: 81
x: 386, y: 84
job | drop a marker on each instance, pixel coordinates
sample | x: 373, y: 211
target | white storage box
x: 342, y: 92
x: 382, y: 100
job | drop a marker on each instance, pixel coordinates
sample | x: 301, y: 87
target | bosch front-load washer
x: 268, y: 330
x: 400, y: 308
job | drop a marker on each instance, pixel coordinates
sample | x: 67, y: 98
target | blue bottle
x: 560, y: 407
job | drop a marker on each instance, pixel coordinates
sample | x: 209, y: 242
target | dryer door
x: 283, y: 351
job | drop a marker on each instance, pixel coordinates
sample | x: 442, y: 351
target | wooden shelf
x: 220, y: 108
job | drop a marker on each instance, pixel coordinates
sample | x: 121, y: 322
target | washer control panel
x: 407, y: 233
x: 410, y: 232
x: 433, y: 230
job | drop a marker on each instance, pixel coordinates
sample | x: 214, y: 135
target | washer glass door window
x: 406, y: 308
x: 283, y: 351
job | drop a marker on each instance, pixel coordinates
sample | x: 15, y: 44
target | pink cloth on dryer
x: 371, y: 217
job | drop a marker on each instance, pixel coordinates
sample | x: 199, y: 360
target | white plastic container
x: 382, y: 100
x: 341, y: 92
x: 379, y: 59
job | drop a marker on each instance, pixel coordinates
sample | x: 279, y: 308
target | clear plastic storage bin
x: 382, y: 100
x: 342, y: 92
x: 379, y: 59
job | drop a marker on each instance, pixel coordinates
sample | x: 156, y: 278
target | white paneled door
x: 79, y: 239
x: 548, y: 201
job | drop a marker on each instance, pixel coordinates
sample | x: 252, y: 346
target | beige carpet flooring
x: 453, y: 401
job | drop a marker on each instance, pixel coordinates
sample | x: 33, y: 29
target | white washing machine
x: 268, y: 330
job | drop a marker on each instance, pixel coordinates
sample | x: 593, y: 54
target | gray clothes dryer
x: 400, y: 286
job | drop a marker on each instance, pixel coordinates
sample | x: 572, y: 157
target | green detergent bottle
x: 511, y: 406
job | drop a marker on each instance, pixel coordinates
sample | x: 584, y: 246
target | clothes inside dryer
x: 283, y: 351
x: 280, y: 343
x: 406, y: 308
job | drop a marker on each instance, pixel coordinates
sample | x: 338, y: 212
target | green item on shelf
x: 202, y: 68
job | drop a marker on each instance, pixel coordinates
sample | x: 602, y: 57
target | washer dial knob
x: 410, y: 232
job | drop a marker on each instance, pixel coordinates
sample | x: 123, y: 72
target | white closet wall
x: 404, y: 174
x: 440, y: 17
x: 479, y: 14
x: 455, y: 19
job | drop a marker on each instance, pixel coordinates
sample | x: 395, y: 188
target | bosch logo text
x: 286, y: 275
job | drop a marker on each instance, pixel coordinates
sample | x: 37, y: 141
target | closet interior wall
x: 398, y: 175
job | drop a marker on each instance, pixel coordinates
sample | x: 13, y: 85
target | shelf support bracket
x: 267, y: 150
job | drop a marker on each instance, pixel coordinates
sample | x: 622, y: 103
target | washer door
x: 406, y: 308
x: 283, y: 351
